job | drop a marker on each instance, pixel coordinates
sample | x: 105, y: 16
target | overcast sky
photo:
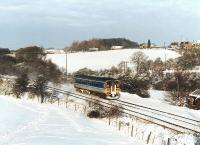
x: 57, y: 23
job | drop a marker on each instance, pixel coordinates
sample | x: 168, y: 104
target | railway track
x: 162, y: 118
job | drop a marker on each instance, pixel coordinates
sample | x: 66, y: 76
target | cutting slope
x: 27, y: 123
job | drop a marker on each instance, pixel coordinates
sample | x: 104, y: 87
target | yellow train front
x: 105, y: 87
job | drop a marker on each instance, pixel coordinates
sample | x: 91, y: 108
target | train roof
x: 97, y: 78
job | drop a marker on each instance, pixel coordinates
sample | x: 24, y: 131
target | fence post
x: 168, y: 141
x: 136, y: 131
x: 142, y: 135
x: 109, y: 121
x: 85, y: 109
x: 119, y: 125
x: 132, y: 130
x: 58, y: 101
x: 148, y: 138
x: 116, y: 123
x: 75, y: 106
x: 67, y: 100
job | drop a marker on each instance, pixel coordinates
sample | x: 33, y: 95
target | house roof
x: 196, y: 93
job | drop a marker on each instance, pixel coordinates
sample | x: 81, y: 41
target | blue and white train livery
x: 101, y: 86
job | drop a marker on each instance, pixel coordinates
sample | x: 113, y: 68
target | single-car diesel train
x: 105, y: 87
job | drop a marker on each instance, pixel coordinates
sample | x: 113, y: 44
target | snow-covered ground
x: 28, y: 123
x: 105, y: 59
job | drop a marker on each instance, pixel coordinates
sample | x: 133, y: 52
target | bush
x: 94, y: 114
x: 143, y: 93
x: 31, y: 53
x: 113, y: 111
x: 7, y: 65
x: 100, y: 111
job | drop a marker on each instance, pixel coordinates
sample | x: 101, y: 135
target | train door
x: 113, y: 88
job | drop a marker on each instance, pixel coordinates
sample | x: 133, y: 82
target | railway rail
x: 162, y: 118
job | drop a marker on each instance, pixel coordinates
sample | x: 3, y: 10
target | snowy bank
x: 28, y: 123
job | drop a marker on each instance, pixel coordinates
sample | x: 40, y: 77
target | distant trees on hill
x: 102, y: 44
x: 31, y: 53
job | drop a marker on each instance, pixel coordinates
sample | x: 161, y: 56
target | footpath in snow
x: 27, y: 123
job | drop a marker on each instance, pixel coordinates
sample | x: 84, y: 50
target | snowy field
x: 27, y: 123
x: 105, y: 59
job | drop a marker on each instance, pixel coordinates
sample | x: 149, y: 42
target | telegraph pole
x: 126, y: 66
x: 66, y: 65
x: 165, y: 57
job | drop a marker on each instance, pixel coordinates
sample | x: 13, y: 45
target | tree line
x: 102, y: 44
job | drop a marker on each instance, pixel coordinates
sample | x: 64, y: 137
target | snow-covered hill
x: 27, y: 123
x: 105, y: 59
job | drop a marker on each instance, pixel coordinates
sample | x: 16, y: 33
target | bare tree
x: 139, y: 59
x: 20, y: 85
x: 39, y: 87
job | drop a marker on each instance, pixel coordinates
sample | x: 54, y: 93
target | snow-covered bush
x: 38, y: 87
x: 113, y: 111
x: 94, y: 114
x: 20, y: 85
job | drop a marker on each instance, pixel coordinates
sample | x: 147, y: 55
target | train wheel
x: 112, y: 97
